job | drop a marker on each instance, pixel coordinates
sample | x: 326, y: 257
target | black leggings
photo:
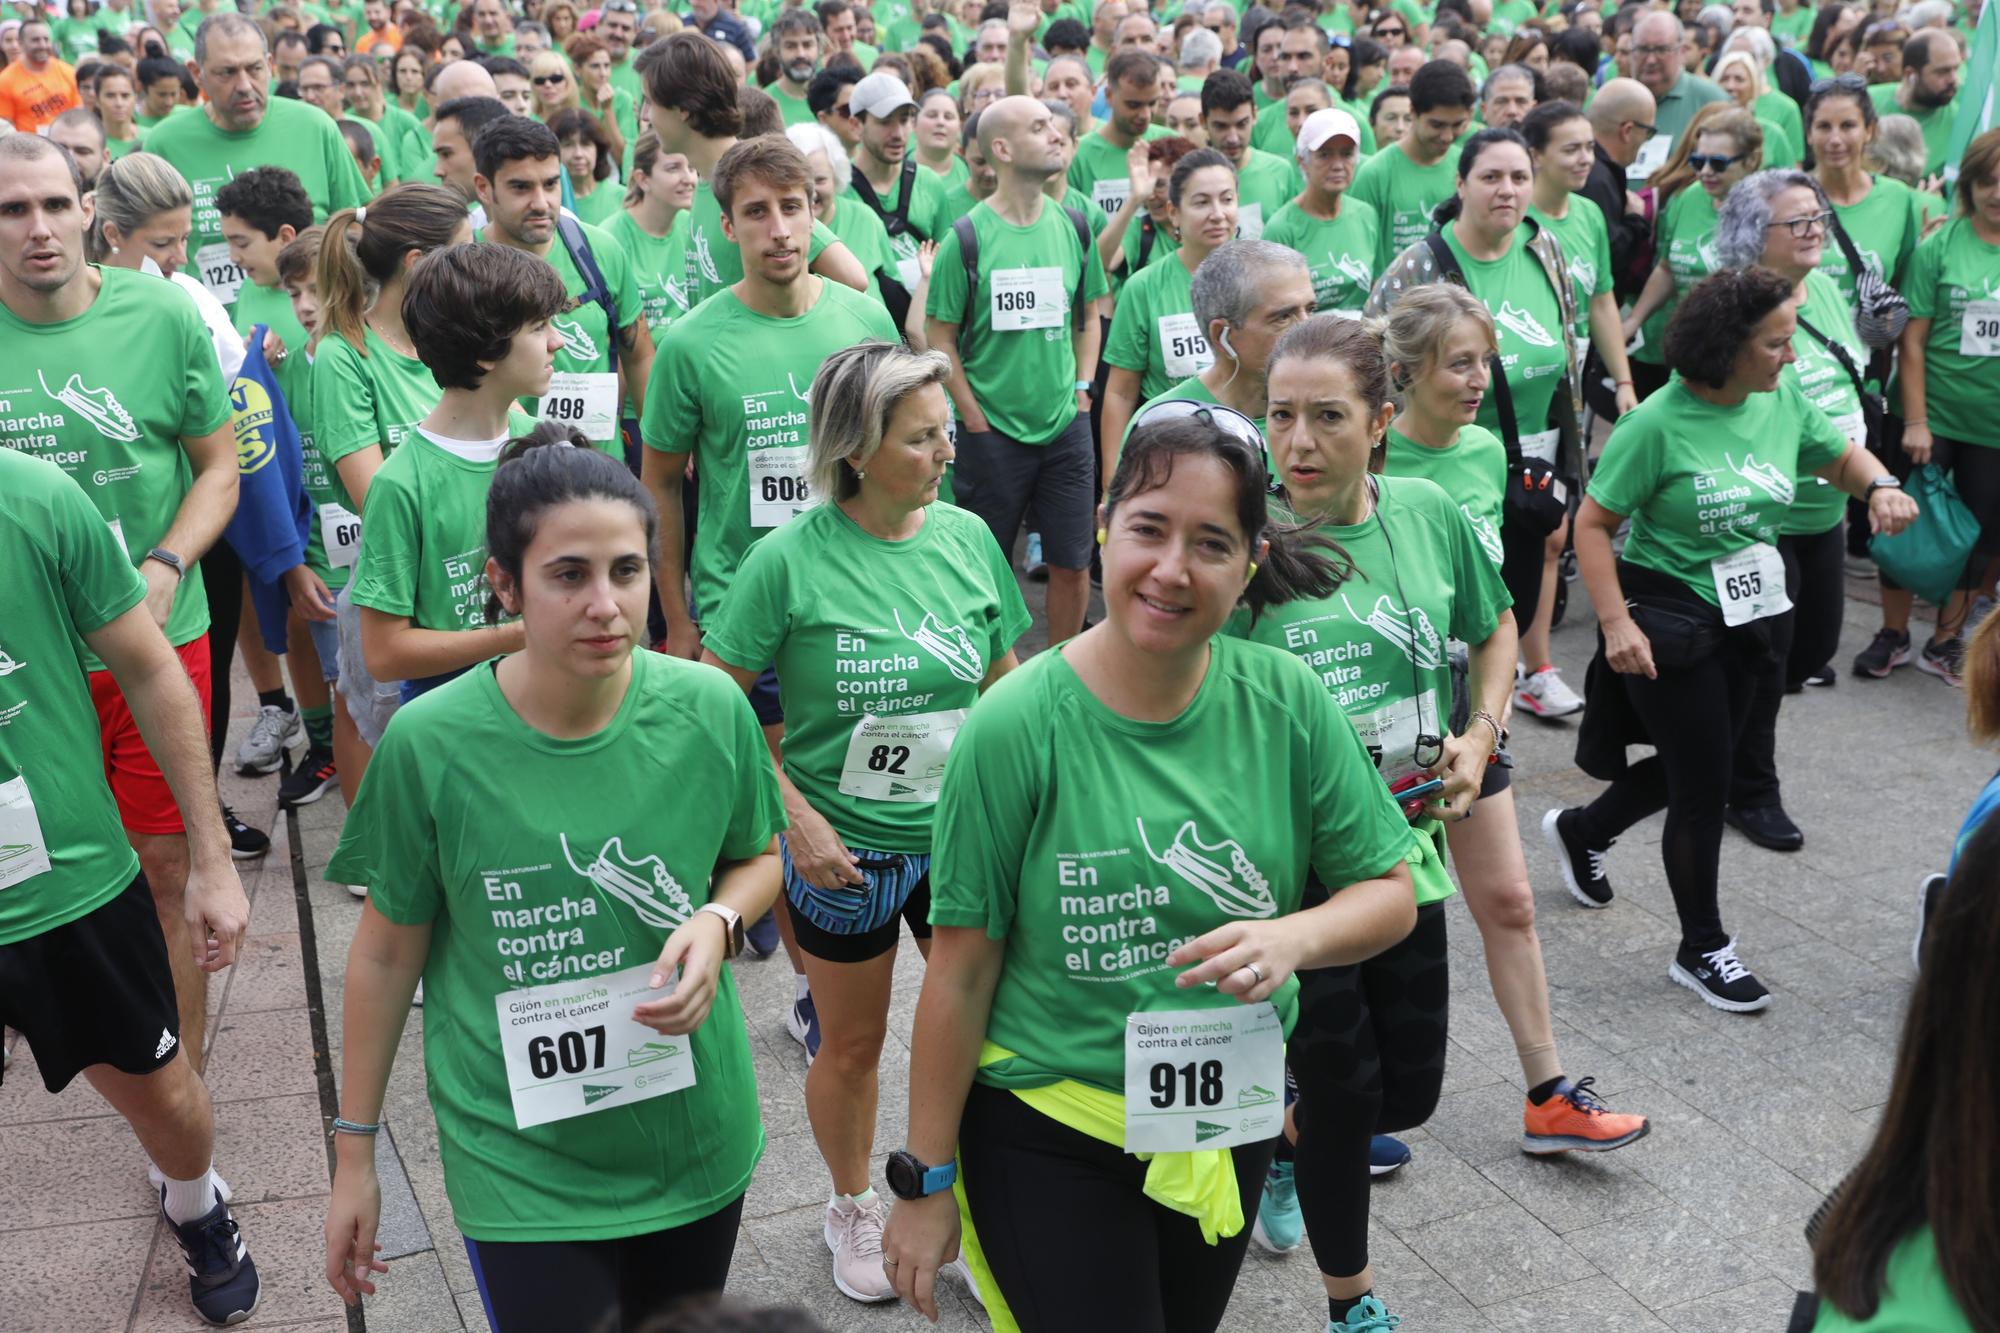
x: 1368, y: 1056
x: 1073, y: 1242
x: 222, y: 577
x: 602, y: 1286
x: 1521, y: 569
x: 1696, y: 716
x: 1816, y: 581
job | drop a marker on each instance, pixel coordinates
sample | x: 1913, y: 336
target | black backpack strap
x: 1503, y: 396
x: 578, y: 246
x: 1873, y: 409
x: 968, y: 251
x: 1148, y: 233
x: 1082, y: 225
x: 895, y: 221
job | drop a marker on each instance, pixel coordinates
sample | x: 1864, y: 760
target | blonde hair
x: 361, y: 249
x: 548, y: 62
x: 1982, y: 681
x: 1422, y: 318
x: 135, y: 188
x: 852, y: 398
x: 1749, y: 62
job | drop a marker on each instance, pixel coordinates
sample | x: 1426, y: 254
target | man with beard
x: 886, y: 179
x: 1301, y: 54
x: 1131, y: 83
x: 1928, y: 93
x: 796, y: 36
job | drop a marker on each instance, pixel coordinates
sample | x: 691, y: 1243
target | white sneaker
x: 417, y: 1000
x: 358, y: 890
x: 264, y: 748
x: 854, y: 1235
x: 1546, y: 695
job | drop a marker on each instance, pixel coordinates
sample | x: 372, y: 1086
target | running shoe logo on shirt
x: 576, y: 342
x: 100, y: 407
x: 1774, y: 483
x: 949, y: 644
x: 1356, y: 270
x: 674, y: 288
x: 1583, y: 272
x: 703, y: 257
x: 1489, y: 536
x: 1410, y: 630
x: 1221, y: 870
x: 654, y: 895
x: 803, y: 395
x: 1523, y: 325
x: 8, y: 666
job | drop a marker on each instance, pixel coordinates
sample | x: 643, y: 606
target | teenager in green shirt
x: 1114, y: 912
x: 1705, y: 470
x: 1408, y: 178
x: 1265, y: 182
x: 1155, y: 341
x: 598, y: 1130
x: 886, y: 615
x: 1339, y: 235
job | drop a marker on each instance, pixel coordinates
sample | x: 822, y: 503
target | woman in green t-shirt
x: 1705, y: 470
x: 1116, y: 932
x: 1883, y: 217
x: 1338, y: 236
x: 587, y: 154
x: 598, y: 1131
x: 1155, y: 342
x: 886, y: 615
x: 117, y: 99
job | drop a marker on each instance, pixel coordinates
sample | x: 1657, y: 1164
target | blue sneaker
x: 1386, y: 1156
x: 1367, y: 1317
x: 1279, y: 1226
x: 222, y: 1281
x: 803, y: 1024
x: 1038, y: 569
x: 760, y: 938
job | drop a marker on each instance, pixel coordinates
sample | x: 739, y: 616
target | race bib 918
x: 1203, y: 1078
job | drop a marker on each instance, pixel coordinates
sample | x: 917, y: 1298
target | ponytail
x: 363, y: 248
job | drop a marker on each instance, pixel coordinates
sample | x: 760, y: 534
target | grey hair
x: 1418, y: 324
x: 1200, y: 47
x: 1226, y: 285
x: 851, y: 400
x: 1759, y: 85
x: 1717, y: 17
x: 1521, y: 72
x: 1928, y: 14
x: 816, y: 138
x: 133, y: 189
x: 224, y: 23
x: 1001, y: 24
x: 1744, y: 221
x: 1757, y: 42
x: 527, y: 27
x: 1899, y: 148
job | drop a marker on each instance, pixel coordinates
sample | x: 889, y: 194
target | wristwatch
x: 1884, y: 484
x: 1083, y: 386
x: 910, y: 1179
x: 169, y: 559
x: 733, y: 921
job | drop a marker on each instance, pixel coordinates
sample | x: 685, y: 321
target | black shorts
x: 97, y: 991
x: 866, y: 945
x: 999, y: 479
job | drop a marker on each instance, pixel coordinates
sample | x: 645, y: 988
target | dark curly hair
x: 1715, y: 320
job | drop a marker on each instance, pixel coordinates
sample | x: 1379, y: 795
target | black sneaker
x: 1582, y: 867
x: 1889, y: 649
x: 222, y: 1280
x: 1824, y: 678
x: 1766, y: 825
x: 245, y: 843
x: 309, y: 781
x: 1929, y: 894
x: 1720, y: 978
x: 1945, y: 660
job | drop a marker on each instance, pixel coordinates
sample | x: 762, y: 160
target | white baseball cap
x: 1328, y: 123
x: 880, y: 95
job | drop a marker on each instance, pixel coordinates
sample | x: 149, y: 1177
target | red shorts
x: 145, y: 803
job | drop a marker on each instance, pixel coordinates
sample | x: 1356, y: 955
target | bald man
x: 462, y: 78
x: 1621, y: 118
x: 1677, y: 94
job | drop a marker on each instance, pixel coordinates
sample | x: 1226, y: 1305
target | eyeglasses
x: 1643, y: 126
x: 545, y: 80
x: 1225, y: 419
x: 844, y: 109
x: 1656, y: 49
x: 1805, y: 226
x: 1716, y: 162
x: 1888, y: 27
x: 1392, y: 30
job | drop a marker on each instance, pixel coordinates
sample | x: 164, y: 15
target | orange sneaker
x: 1574, y: 1119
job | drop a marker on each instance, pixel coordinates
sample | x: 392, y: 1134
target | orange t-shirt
x: 32, y: 100
x: 371, y: 39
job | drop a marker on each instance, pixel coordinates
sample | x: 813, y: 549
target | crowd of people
x: 423, y: 358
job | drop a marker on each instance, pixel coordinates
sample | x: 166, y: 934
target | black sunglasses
x: 544, y: 80
x: 1719, y: 161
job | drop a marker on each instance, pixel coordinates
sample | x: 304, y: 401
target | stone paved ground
x: 1696, y: 1228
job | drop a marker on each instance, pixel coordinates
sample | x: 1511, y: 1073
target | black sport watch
x: 910, y: 1178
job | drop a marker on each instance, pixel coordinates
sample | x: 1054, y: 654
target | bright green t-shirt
x: 586, y: 329
x: 1914, y: 1296
x: 1341, y: 253
x: 1687, y: 239
x: 107, y: 397
x: 658, y: 265
x: 293, y: 135
x: 1828, y: 386
x: 321, y: 482
x: 602, y: 204
x: 1586, y: 248
x: 795, y: 110
x: 63, y: 851
x: 1700, y: 481
x: 927, y: 194
x: 1020, y: 374
x: 862, y: 232
x: 1885, y: 227
x: 1792, y: 29
x: 730, y: 385
x: 1093, y: 844
x: 1954, y: 282
x: 1098, y: 169
x: 359, y: 401
x: 535, y: 863
x: 424, y: 556
x: 1402, y: 195
x: 713, y: 260
x: 1272, y: 132
x: 1155, y: 333
x: 958, y: 201
x: 954, y: 177
x: 880, y: 648
x: 1471, y: 470
x: 1265, y: 185
x: 1935, y: 121
x: 1528, y: 317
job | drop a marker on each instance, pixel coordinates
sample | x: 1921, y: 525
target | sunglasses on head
x: 1844, y: 82
x: 1716, y: 162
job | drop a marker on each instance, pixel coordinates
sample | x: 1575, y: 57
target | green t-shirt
x: 107, y: 397
x: 1093, y: 844
x: 715, y: 391
x: 1792, y: 29
x: 1341, y: 253
x: 603, y: 203
x: 658, y: 265
x: 389, y: 147
x: 1778, y: 107
x: 954, y: 177
x: 1528, y: 317
x: 1700, y: 481
x: 1954, y: 282
x: 1266, y: 184
x: 795, y: 110
x: 1885, y: 227
x: 359, y: 401
x: 425, y: 552
x: 1402, y: 195
x: 1687, y: 240
x: 958, y: 201
x: 118, y: 148
x: 1935, y: 121
x: 321, y: 483
x: 1471, y: 469
x: 63, y: 851
x: 927, y: 193
x: 1019, y: 374
x: 1154, y: 332
x: 713, y: 260
x: 586, y: 886
x: 1273, y: 132
x: 1828, y: 386
x: 866, y: 632
x: 1378, y: 643
x: 1914, y: 1296
x: 293, y: 135
x: 625, y: 79
x: 1586, y: 248
x: 586, y: 329
x: 862, y: 232
x: 1098, y: 169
